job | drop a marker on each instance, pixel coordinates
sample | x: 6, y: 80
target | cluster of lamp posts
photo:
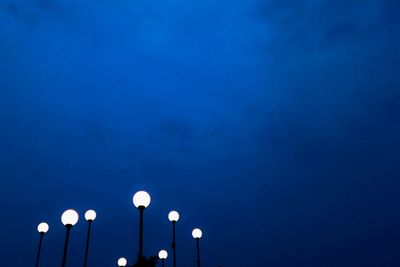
x: 141, y: 200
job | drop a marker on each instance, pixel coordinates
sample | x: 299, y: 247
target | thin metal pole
x: 163, y: 262
x: 174, y: 241
x: 87, y: 243
x: 39, y: 249
x: 198, y: 251
x: 64, y: 260
x: 141, y: 209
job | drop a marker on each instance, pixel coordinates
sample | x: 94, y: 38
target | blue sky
x: 272, y: 125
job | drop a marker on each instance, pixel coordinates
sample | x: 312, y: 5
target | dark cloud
x: 274, y: 122
x: 332, y: 22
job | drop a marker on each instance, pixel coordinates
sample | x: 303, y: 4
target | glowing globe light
x: 90, y: 215
x: 122, y: 262
x: 43, y: 228
x: 141, y: 199
x: 196, y: 233
x: 163, y: 254
x: 173, y: 216
x: 69, y: 217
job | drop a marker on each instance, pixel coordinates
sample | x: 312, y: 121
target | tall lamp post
x: 141, y: 200
x: 69, y: 218
x: 90, y: 216
x: 173, y: 217
x: 42, y: 229
x: 197, y: 234
x: 163, y: 254
x: 122, y: 262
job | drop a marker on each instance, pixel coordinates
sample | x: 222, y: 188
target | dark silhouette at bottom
x: 198, y: 251
x: 85, y: 261
x: 146, y: 262
x: 39, y: 249
x: 64, y: 259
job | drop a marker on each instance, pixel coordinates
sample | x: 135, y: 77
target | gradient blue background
x: 272, y: 125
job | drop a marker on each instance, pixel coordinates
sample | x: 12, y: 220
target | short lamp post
x: 122, y: 262
x: 163, y: 254
x: 141, y: 200
x: 42, y: 229
x: 90, y: 216
x: 197, y: 234
x: 173, y: 217
x: 69, y: 218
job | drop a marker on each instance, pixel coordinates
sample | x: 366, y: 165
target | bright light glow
x: 173, y: 216
x: 90, y: 215
x: 122, y: 262
x: 69, y: 217
x: 43, y: 227
x: 163, y: 254
x: 196, y: 233
x: 141, y: 199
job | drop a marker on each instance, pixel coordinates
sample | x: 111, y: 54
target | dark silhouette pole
x: 163, y: 254
x: 174, y: 241
x: 42, y: 229
x: 87, y: 243
x: 197, y: 234
x: 173, y: 216
x: 141, y: 209
x: 198, y: 251
x: 90, y: 216
x: 39, y: 249
x: 141, y: 200
x: 69, y: 226
x: 69, y: 218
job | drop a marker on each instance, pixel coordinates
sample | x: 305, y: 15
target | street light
x: 42, y: 229
x: 163, y: 254
x: 173, y: 217
x: 69, y: 218
x: 141, y: 200
x: 90, y: 216
x: 197, y: 234
x: 122, y: 262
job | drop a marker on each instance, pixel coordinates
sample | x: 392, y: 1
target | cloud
x: 291, y: 104
x: 318, y: 25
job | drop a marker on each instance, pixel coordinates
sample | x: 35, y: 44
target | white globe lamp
x: 141, y: 199
x: 197, y: 233
x: 122, y: 262
x: 43, y: 228
x: 90, y: 215
x: 69, y: 217
x: 163, y: 254
x: 173, y: 216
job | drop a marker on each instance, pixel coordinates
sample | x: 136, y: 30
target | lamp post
x: 42, y: 229
x: 69, y: 218
x: 163, y: 254
x: 141, y: 200
x: 197, y: 234
x: 173, y: 217
x: 122, y: 262
x: 90, y: 216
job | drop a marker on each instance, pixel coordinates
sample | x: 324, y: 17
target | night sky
x: 272, y: 125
